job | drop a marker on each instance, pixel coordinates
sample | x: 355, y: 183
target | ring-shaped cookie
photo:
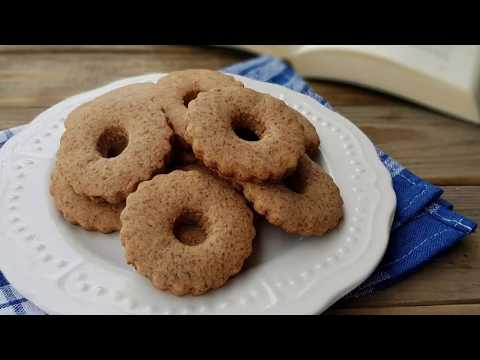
x: 114, y: 142
x: 80, y: 210
x: 149, y: 223
x: 312, y: 141
x: 178, y: 88
x: 307, y: 203
x: 216, y: 120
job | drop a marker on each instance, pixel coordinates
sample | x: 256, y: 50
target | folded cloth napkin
x: 424, y: 224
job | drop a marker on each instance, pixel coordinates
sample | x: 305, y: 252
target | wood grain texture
x: 41, y: 79
x: 92, y: 48
x: 438, y: 148
x: 462, y: 309
x: 11, y: 117
x: 176, y: 50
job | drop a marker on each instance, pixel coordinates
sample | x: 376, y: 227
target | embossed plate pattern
x: 67, y: 270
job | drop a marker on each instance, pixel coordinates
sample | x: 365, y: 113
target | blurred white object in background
x: 442, y: 77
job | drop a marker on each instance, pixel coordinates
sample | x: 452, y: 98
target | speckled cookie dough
x: 80, y: 210
x: 244, y: 134
x: 306, y: 203
x: 178, y: 88
x: 312, y: 141
x: 191, y: 198
x: 200, y: 167
x: 114, y: 142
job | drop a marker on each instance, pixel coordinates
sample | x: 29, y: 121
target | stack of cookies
x: 176, y: 165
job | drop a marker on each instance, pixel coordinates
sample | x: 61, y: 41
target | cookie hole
x: 112, y: 142
x: 295, y: 183
x: 246, y: 134
x: 247, y: 128
x: 191, y: 95
x: 189, y: 228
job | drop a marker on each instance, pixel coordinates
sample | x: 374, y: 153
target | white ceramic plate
x: 66, y: 270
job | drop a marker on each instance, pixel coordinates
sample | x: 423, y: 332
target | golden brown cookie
x: 307, y: 202
x: 245, y: 135
x: 189, y: 234
x: 312, y: 141
x: 151, y: 228
x: 200, y: 167
x: 80, y: 210
x: 114, y: 142
x: 178, y: 88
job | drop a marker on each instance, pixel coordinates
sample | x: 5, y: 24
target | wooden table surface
x: 438, y: 148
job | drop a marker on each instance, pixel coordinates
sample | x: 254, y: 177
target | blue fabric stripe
x: 449, y: 218
x: 283, y: 77
x: 3, y: 281
x: 18, y: 308
x: 13, y: 303
x: 446, y: 204
x: 304, y: 88
x: 416, y: 194
x: 267, y: 71
x: 7, y: 292
x: 245, y: 67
